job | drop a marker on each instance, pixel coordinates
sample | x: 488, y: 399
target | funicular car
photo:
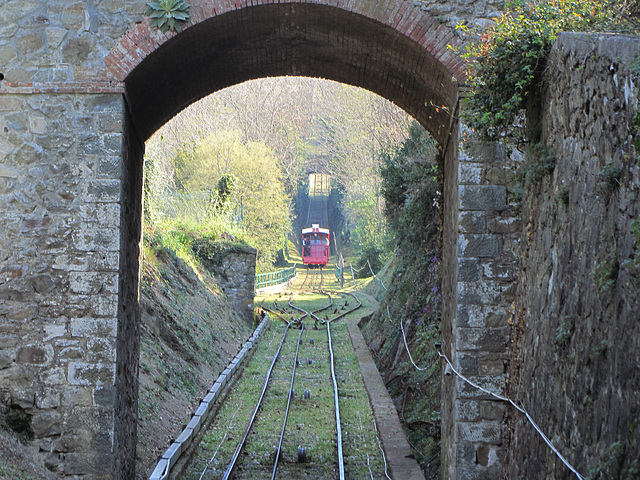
x: 315, y: 245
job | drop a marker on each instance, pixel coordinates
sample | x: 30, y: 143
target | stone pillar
x: 476, y: 330
x: 128, y: 338
x: 60, y: 259
x: 449, y: 273
x: 236, y: 274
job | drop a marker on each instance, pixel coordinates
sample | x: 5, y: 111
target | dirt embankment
x: 189, y: 335
x: 410, y: 295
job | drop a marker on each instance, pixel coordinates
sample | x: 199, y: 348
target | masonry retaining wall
x: 235, y: 272
x: 577, y: 332
x: 480, y: 247
x: 60, y: 202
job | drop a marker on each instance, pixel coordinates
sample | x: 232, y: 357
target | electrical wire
x: 220, y: 444
x: 520, y: 409
x: 495, y: 395
x: 375, y: 276
x: 404, y: 339
x: 384, y: 458
x: 369, y: 466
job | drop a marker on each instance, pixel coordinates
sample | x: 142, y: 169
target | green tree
x: 308, y: 124
x: 226, y: 186
x: 410, y: 190
x: 248, y: 178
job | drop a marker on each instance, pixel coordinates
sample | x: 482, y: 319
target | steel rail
x: 312, y: 279
x: 286, y: 411
x: 243, y: 440
x: 279, y: 308
x: 315, y: 317
x: 305, y: 278
x: 336, y: 400
x: 298, y: 309
x: 336, y: 403
x: 295, y: 362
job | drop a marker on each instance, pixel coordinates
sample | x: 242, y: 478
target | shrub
x: 606, y: 273
x: 168, y: 14
x: 410, y: 190
x: 610, y: 180
x: 374, y: 255
x: 507, y: 62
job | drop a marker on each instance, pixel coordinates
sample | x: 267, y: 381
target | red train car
x: 315, y: 245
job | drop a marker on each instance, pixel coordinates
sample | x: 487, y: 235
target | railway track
x: 313, y: 279
x: 287, y: 419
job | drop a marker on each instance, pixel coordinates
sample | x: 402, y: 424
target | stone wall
x: 476, y: 312
x: 577, y: 333
x: 61, y: 41
x: 60, y: 187
x: 236, y: 276
x: 478, y: 13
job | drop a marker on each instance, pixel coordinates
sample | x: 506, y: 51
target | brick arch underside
x: 420, y: 76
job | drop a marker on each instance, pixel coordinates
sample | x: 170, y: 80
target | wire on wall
x: 520, y: 409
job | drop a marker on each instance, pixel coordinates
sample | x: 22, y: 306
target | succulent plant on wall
x: 168, y: 14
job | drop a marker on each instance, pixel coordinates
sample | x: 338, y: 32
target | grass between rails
x: 311, y: 421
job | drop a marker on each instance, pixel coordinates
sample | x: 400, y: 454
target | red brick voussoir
x: 406, y: 18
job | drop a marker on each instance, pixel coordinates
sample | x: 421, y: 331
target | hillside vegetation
x: 411, y: 297
x: 189, y: 335
x: 240, y: 159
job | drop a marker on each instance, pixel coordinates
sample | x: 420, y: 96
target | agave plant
x: 168, y: 14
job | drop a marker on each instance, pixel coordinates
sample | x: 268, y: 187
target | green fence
x: 274, y: 278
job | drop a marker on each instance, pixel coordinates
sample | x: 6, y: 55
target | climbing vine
x: 168, y: 14
x: 509, y: 57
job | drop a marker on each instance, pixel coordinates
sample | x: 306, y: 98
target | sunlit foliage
x: 507, y: 61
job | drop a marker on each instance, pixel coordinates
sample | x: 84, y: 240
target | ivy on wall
x: 168, y: 14
x: 508, y: 58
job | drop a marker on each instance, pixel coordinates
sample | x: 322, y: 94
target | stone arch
x: 79, y: 99
x: 392, y: 48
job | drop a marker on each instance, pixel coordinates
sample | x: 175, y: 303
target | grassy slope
x: 189, y: 334
x: 18, y: 460
x: 416, y: 394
